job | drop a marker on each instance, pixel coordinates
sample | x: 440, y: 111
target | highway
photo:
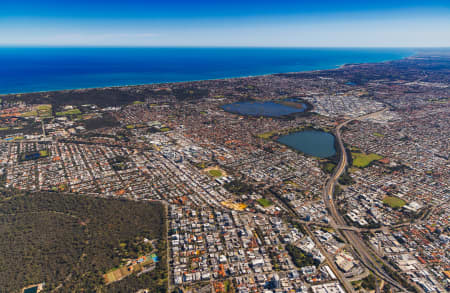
x: 353, y: 238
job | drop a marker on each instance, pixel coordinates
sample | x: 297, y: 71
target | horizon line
x: 221, y: 46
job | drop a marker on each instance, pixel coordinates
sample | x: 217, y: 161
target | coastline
x: 335, y: 67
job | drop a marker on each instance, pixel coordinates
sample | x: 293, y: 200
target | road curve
x: 353, y: 238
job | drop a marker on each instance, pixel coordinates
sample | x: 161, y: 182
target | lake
x: 311, y: 142
x: 31, y: 290
x: 266, y: 109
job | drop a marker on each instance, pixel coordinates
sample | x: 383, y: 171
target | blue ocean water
x: 43, y: 69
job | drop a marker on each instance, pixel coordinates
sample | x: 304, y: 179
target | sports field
x: 362, y: 160
x: 264, y: 202
x: 394, y: 202
x: 215, y: 172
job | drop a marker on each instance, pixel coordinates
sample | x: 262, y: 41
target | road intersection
x: 355, y: 242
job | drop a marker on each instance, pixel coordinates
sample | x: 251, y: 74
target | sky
x: 261, y: 23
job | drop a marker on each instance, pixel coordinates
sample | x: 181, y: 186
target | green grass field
x: 29, y: 114
x: 44, y: 110
x: 266, y: 135
x: 264, y: 202
x: 215, y: 173
x: 362, y: 160
x: 394, y: 202
x: 69, y: 112
x: 44, y: 107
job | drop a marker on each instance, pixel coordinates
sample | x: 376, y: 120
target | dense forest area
x: 102, y: 97
x: 107, y: 120
x: 70, y: 241
x: 239, y: 187
x: 299, y: 257
x: 110, y: 96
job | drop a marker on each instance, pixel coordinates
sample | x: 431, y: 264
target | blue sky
x: 225, y: 23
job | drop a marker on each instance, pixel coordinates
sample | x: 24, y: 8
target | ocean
x: 44, y: 69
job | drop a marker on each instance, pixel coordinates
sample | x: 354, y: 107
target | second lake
x: 311, y: 142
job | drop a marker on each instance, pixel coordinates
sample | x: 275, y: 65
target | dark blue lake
x: 31, y: 290
x: 267, y: 109
x: 311, y: 142
x: 43, y: 69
